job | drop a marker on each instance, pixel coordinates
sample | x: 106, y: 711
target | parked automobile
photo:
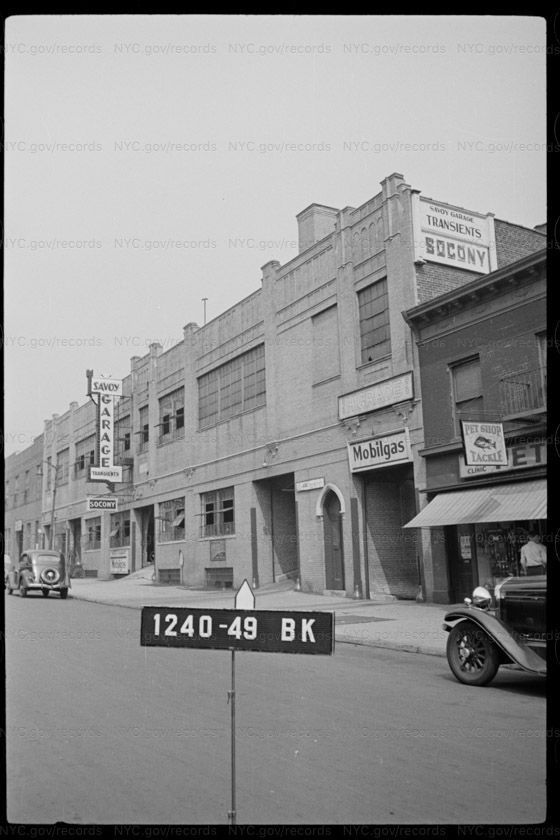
x: 39, y: 570
x: 487, y: 632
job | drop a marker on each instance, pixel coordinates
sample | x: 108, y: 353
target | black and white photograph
x: 276, y: 545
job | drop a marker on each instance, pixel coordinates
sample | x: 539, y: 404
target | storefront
x: 483, y: 529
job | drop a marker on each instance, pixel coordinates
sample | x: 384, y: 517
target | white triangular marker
x: 245, y: 597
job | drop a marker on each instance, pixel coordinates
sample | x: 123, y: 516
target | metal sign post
x: 244, y: 600
x: 231, y: 699
x: 243, y: 628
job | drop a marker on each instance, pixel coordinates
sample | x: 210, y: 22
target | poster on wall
x: 484, y: 444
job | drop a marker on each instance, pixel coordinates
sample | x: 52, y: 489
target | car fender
x: 514, y: 648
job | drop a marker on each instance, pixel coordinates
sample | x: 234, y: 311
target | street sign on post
x: 271, y: 631
x: 243, y: 628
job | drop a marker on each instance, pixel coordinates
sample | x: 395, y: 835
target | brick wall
x: 515, y: 241
x: 434, y: 279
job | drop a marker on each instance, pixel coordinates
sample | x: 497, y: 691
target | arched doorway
x: 332, y: 536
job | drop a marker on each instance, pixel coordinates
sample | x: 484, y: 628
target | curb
x: 347, y: 640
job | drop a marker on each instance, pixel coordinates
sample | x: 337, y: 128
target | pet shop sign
x: 484, y: 444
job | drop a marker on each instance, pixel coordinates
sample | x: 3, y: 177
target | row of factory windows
x: 217, y: 518
x: 239, y: 386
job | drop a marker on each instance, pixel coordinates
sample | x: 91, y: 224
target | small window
x: 172, y: 520
x: 218, y: 513
x: 172, y: 416
x: 144, y: 433
x: 467, y: 392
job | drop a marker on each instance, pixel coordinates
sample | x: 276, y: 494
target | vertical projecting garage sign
x: 453, y: 236
x: 103, y: 392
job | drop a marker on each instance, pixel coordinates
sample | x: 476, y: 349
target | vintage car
x: 39, y: 570
x: 485, y: 633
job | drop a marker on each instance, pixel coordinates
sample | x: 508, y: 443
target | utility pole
x: 204, y: 304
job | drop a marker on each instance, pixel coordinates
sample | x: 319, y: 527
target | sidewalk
x: 397, y: 625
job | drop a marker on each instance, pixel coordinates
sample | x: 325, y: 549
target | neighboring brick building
x: 281, y: 439
x: 482, y: 356
x: 23, y: 499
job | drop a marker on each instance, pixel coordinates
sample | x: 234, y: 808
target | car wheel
x: 45, y: 593
x: 471, y: 654
x: 63, y: 593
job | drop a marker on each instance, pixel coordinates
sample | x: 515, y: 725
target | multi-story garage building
x: 280, y: 440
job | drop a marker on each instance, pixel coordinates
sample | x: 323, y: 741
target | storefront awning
x: 502, y: 503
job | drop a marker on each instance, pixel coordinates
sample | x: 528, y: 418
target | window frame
x: 169, y: 511
x: 233, y: 388
x: 171, y: 409
x: 457, y: 403
x: 119, y: 522
x: 222, y: 501
x: 368, y: 354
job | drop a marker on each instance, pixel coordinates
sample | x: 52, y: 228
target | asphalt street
x: 101, y: 730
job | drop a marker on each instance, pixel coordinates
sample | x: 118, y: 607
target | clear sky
x: 152, y: 161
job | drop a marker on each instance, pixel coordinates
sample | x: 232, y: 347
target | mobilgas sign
x: 381, y: 451
x: 272, y: 631
x: 454, y: 236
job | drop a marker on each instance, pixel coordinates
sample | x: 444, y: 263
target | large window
x: 375, y: 336
x: 85, y: 456
x: 467, y: 392
x: 217, y: 515
x: 144, y: 432
x: 233, y: 388
x: 172, y: 520
x: 119, y: 534
x: 93, y: 533
x: 172, y: 416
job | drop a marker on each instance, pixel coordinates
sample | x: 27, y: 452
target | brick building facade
x: 482, y: 357
x: 281, y: 439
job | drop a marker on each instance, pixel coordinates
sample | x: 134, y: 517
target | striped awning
x: 501, y: 503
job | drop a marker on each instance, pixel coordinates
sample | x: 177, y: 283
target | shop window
x: 218, y: 513
x: 172, y: 520
x: 119, y: 534
x: 233, y: 388
x: 375, y: 336
x: 172, y: 416
x: 467, y: 392
x: 93, y: 533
